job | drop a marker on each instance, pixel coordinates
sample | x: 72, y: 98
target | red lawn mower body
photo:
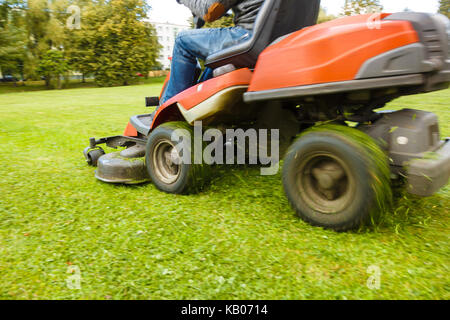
x: 331, y: 54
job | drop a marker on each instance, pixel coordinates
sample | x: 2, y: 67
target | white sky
x: 168, y: 11
x: 334, y: 6
x: 171, y: 11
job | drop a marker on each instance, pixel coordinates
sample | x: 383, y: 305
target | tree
x: 324, y: 17
x: 12, y: 50
x: 11, y: 12
x: 45, y: 25
x: 224, y: 22
x: 78, y: 49
x: 12, y: 40
x: 115, y: 42
x: 355, y: 7
x: 80, y: 55
x: 53, y: 65
x: 444, y: 7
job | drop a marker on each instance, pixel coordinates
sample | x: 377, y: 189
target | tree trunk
x: 66, y: 80
x: 21, y: 75
x: 83, y: 80
x: 47, y: 81
x: 59, y: 82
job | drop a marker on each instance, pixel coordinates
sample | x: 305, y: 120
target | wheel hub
x: 328, y: 175
x: 166, y: 162
x: 325, y: 182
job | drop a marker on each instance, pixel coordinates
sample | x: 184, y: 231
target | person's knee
x: 183, y: 46
x: 183, y: 37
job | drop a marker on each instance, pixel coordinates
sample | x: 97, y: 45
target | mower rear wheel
x: 336, y: 177
x: 164, y: 164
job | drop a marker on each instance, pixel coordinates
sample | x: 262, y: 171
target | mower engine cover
x: 404, y: 50
x: 412, y: 139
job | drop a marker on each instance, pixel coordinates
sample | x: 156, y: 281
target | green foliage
x: 45, y: 24
x: 11, y: 12
x: 324, y: 16
x: 355, y: 7
x: 11, y: 45
x: 12, y: 37
x: 224, y: 22
x: 114, y: 43
x: 53, y: 65
x: 444, y: 7
x: 239, y: 239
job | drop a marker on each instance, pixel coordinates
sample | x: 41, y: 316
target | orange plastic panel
x: 191, y: 97
x: 328, y: 52
x: 199, y: 93
x: 130, y: 131
x: 166, y: 80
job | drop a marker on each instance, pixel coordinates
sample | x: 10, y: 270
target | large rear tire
x: 163, y: 161
x: 336, y: 177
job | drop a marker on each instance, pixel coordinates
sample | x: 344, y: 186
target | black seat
x: 276, y: 18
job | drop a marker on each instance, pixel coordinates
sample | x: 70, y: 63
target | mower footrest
x: 142, y: 123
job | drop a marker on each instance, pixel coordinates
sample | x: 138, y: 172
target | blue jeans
x: 191, y: 45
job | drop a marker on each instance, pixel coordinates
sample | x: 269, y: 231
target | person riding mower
x: 320, y: 86
x: 191, y: 45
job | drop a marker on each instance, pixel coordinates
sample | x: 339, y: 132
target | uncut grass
x: 237, y: 239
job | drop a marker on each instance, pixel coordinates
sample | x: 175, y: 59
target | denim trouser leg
x: 191, y: 45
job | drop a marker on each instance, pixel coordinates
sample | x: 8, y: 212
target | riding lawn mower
x: 319, y: 85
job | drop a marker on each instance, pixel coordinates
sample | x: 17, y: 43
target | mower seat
x: 276, y: 18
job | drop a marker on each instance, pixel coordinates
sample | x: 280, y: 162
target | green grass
x: 237, y: 239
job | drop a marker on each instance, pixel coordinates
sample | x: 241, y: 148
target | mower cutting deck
x: 293, y: 75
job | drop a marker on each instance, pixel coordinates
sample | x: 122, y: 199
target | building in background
x: 167, y: 33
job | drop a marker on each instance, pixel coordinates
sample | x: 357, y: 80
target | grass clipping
x: 377, y: 163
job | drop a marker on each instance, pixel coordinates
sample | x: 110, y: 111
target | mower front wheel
x: 92, y: 155
x: 336, y: 177
x: 168, y: 169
